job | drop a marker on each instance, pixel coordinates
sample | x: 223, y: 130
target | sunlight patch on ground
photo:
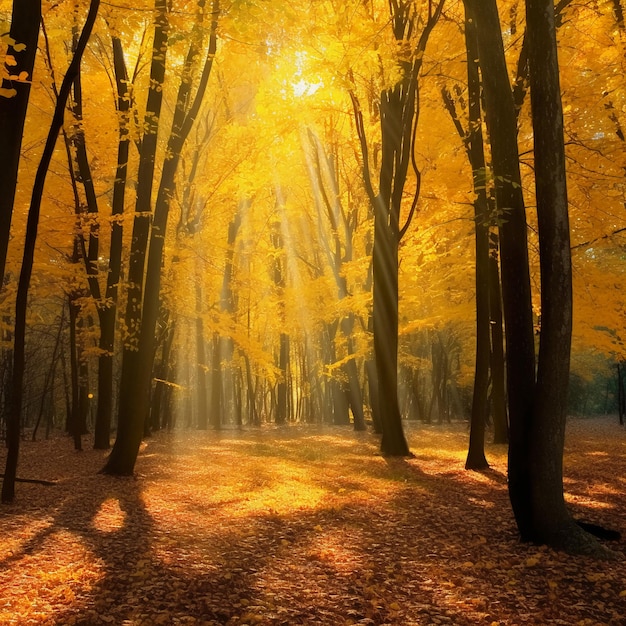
x: 69, y: 572
x: 109, y: 517
x: 481, y: 502
x: 19, y: 530
x: 587, y: 502
x: 275, y: 472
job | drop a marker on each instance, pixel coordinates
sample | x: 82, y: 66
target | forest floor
x: 303, y: 525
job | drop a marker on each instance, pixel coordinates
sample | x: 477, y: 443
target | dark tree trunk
x: 621, y: 392
x: 216, y: 384
x: 355, y: 396
x: 399, y: 112
x: 385, y: 279
x: 134, y: 388
x: 253, y: 414
x: 498, y: 396
x: 107, y: 310
x: 14, y: 414
x: 25, y: 21
x: 520, y: 354
x: 163, y: 377
x: 372, y: 390
x: 551, y: 521
x: 104, y: 408
x: 201, y: 366
x: 138, y: 360
x: 74, y: 422
x: 476, y: 453
x: 284, y: 384
x: 49, y: 380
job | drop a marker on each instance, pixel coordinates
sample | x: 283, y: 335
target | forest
x: 311, y: 232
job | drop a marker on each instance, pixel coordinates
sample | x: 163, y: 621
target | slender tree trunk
x: 498, y: 396
x: 74, y: 422
x: 216, y: 384
x: 133, y: 387
x: 385, y: 294
x: 201, y: 366
x: 164, y: 375
x: 621, y: 399
x: 14, y: 415
x: 399, y: 113
x: 520, y: 354
x: 138, y: 358
x: 476, y: 453
x: 253, y: 414
x: 25, y: 21
x: 107, y: 310
x: 49, y: 380
x: 354, y: 386
x: 284, y: 385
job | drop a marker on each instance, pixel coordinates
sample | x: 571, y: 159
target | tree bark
x: 498, y: 383
x: 14, y: 414
x: 107, y: 309
x: 133, y: 387
x: 142, y: 312
x: 25, y: 21
x: 399, y: 112
x: 476, y: 453
x: 551, y: 521
x: 520, y: 353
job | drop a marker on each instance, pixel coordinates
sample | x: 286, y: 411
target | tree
x: 517, y: 307
x: 13, y: 419
x: 14, y: 95
x: 107, y: 306
x: 399, y: 112
x: 473, y: 140
x: 149, y: 232
x: 536, y: 405
x: 550, y: 520
x: 338, y: 252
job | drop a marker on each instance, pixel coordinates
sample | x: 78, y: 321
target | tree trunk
x: 25, y: 21
x: 475, y: 151
x: 134, y: 388
x: 138, y: 360
x: 163, y: 377
x: 520, y: 354
x: 399, y: 113
x: 551, y: 521
x: 385, y: 278
x: 284, y: 385
x: 621, y: 395
x: 49, y: 380
x: 14, y: 414
x: 201, y: 367
x: 498, y: 396
x: 74, y: 422
x: 216, y: 384
x: 354, y: 386
x: 107, y: 310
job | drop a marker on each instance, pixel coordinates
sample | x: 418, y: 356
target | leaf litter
x: 303, y: 525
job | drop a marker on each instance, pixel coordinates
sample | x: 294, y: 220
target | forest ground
x: 303, y: 525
